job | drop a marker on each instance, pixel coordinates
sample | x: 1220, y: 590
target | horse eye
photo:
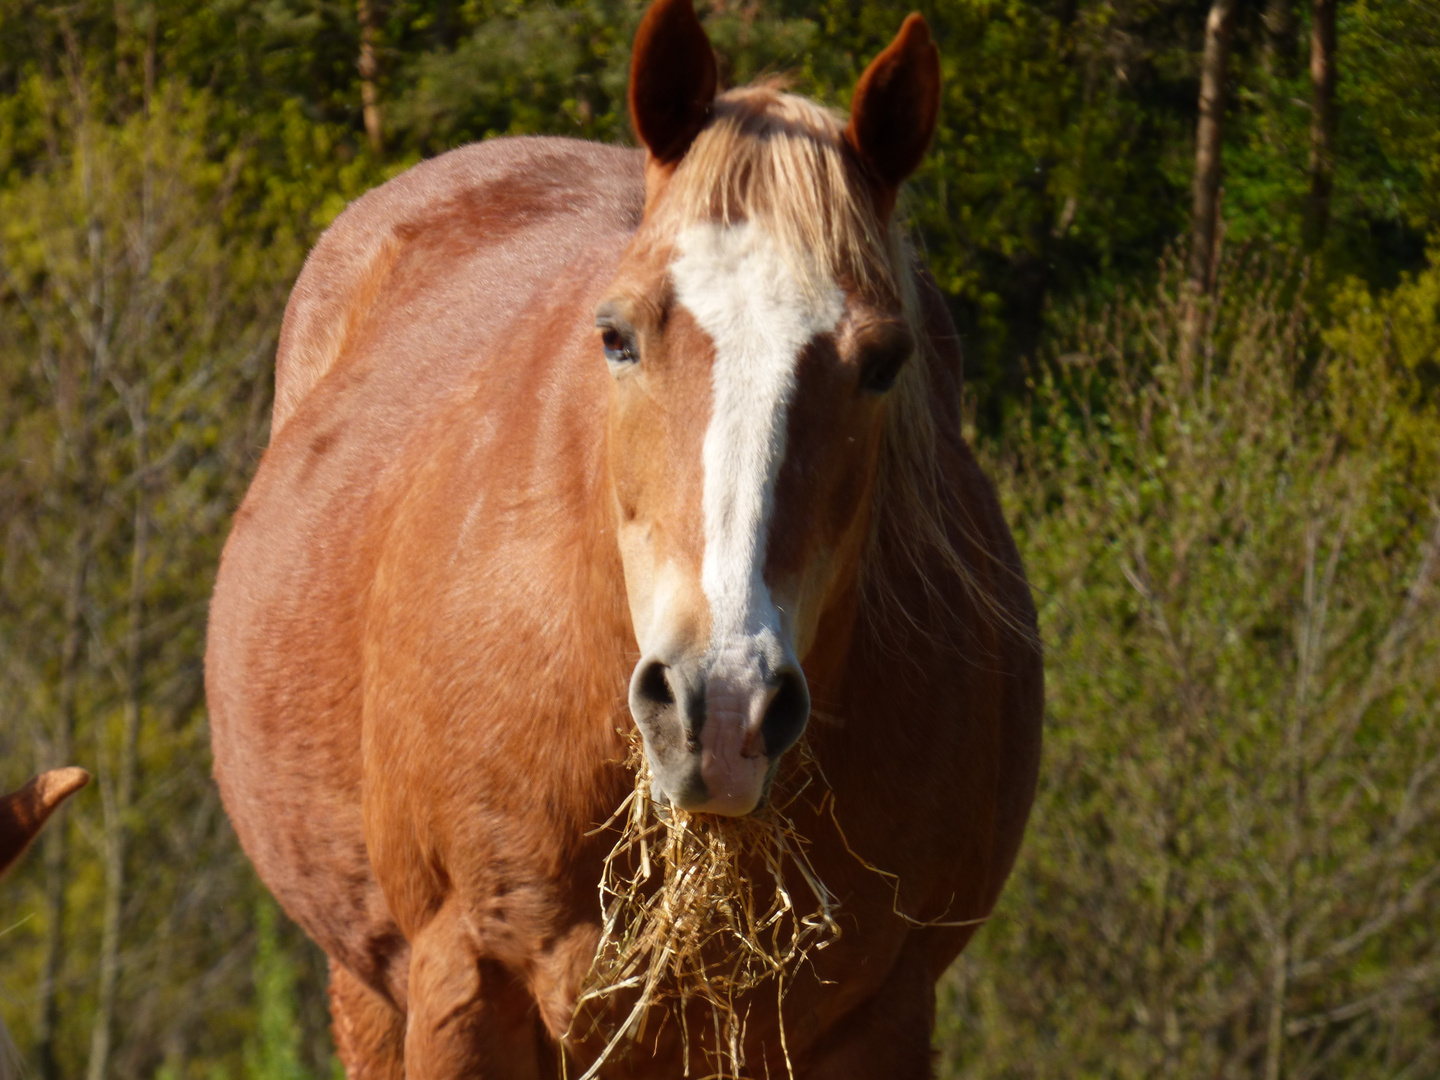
x: 883, y: 360
x: 618, y: 349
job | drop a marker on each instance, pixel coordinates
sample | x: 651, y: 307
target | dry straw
x: 697, y: 909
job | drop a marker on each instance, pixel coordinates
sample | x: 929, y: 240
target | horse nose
x: 766, y: 714
x: 714, y: 732
x: 667, y: 701
x: 651, y: 687
x: 786, y: 714
x: 749, y: 722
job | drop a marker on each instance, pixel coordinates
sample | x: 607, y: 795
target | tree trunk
x: 1031, y: 270
x: 80, y: 433
x: 1205, y: 213
x: 56, y: 837
x: 1322, y: 120
x: 119, y: 793
x: 1278, y: 54
x: 1208, y: 144
x: 1275, y: 1007
x: 369, y: 72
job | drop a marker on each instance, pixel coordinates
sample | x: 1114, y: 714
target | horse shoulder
x: 943, y: 687
x: 496, y: 636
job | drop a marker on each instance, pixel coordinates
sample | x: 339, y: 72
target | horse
x: 571, y: 441
x: 23, y: 812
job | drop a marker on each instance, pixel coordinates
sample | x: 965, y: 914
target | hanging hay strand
x: 696, y: 908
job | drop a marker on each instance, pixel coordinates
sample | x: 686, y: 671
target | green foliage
x: 1231, y: 862
x: 1387, y: 164
x: 138, y: 312
x: 561, y: 69
x: 274, y: 1051
x: 1395, y: 336
x: 1390, y: 138
x: 1061, y: 169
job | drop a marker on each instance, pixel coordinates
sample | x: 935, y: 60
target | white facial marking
x: 736, y: 283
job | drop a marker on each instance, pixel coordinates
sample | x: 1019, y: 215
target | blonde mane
x: 781, y: 161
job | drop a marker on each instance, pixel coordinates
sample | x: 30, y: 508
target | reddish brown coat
x: 420, y: 646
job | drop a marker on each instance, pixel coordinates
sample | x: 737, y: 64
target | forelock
x: 779, y: 160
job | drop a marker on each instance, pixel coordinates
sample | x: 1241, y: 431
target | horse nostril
x: 653, y: 686
x: 786, y: 715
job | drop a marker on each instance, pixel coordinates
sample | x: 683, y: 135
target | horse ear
x: 23, y: 812
x: 896, y: 106
x: 672, y: 79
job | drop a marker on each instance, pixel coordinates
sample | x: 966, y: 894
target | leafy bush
x: 275, y: 1051
x: 138, y: 310
x: 1232, y: 865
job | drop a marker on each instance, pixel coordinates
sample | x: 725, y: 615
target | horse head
x: 756, y: 332
x: 23, y: 813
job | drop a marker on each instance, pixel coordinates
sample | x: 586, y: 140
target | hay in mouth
x: 696, y: 909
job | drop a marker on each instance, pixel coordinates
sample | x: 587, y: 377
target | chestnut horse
x: 564, y: 430
x: 23, y: 813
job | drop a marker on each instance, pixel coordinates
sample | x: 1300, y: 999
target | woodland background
x: 1194, y: 250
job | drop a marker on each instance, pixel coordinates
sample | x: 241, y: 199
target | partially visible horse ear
x: 23, y: 812
x: 672, y: 79
x: 895, y: 108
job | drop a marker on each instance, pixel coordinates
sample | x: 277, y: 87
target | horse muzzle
x: 715, y: 728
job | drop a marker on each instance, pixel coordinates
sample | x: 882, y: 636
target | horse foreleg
x: 469, y: 1018
x: 369, y: 1031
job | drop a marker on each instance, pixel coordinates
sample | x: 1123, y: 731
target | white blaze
x: 736, y: 283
